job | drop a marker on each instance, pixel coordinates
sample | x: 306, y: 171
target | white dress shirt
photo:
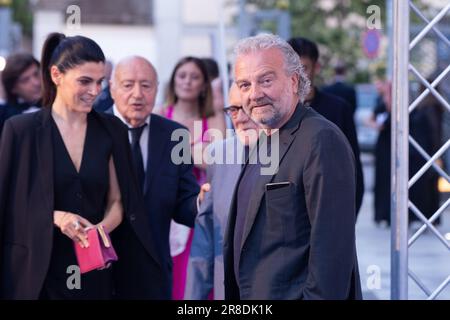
x: 143, y: 142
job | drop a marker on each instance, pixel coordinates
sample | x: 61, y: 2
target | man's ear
x: 295, y: 80
x: 56, y: 75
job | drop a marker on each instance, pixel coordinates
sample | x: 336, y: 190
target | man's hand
x: 206, y: 187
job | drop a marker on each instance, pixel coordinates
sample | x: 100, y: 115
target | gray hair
x: 291, y: 59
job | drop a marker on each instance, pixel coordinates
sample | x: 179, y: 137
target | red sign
x: 371, y: 43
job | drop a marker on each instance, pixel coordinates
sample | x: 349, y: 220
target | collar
x: 119, y: 115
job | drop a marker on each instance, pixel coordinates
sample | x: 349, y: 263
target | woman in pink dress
x: 189, y: 102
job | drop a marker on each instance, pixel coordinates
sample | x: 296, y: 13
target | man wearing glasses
x: 205, y: 267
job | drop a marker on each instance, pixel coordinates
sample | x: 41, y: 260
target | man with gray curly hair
x: 292, y: 67
x: 291, y: 234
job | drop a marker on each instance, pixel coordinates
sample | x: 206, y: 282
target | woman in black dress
x: 62, y: 169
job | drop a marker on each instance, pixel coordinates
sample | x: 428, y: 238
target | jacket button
x: 79, y: 195
x: 132, y: 217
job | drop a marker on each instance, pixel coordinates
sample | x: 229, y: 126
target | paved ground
x: 428, y: 257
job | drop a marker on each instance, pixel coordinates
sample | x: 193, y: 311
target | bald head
x: 131, y: 62
x: 134, y: 84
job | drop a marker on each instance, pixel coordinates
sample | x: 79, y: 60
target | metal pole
x: 399, y: 158
x: 390, y: 39
x: 5, y: 30
x: 242, y: 17
x: 223, y: 59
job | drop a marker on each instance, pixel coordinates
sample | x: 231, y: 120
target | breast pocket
x: 278, y: 189
x: 282, y: 210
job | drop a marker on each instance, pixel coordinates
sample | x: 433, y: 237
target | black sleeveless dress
x: 84, y: 193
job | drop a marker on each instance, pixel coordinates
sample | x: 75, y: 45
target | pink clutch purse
x: 100, y: 252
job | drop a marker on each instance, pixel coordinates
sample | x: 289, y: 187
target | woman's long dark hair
x: 205, y: 100
x: 65, y: 53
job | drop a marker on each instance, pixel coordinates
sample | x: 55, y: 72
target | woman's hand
x: 73, y: 226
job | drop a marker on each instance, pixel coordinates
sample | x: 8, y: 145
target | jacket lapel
x: 44, y: 151
x: 286, y: 137
x: 156, y: 148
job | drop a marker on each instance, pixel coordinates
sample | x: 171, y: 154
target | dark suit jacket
x: 26, y: 199
x: 2, y: 117
x: 9, y: 110
x: 299, y: 238
x: 344, y: 91
x: 170, y: 192
x: 338, y: 111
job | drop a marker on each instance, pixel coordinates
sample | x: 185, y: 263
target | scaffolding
x: 401, y: 140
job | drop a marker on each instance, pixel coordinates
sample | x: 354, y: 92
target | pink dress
x: 180, y: 261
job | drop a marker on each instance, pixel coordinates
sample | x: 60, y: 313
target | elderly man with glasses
x: 205, y: 268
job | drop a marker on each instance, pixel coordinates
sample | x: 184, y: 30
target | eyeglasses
x: 233, y: 111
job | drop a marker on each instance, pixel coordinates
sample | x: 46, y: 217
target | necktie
x: 138, y: 161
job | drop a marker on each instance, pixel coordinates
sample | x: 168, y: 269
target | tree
x: 23, y: 14
x: 336, y: 26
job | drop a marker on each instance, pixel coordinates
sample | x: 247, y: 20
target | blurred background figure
x: 22, y: 83
x: 104, y: 100
x: 426, y: 128
x: 212, y: 68
x: 340, y: 87
x: 216, y: 84
x: 425, y: 123
x: 381, y: 121
x: 330, y: 106
x: 189, y: 101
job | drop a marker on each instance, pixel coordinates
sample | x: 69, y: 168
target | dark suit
x: 26, y: 199
x: 2, y: 117
x: 9, y: 110
x: 338, y: 111
x: 298, y: 239
x: 343, y: 91
x: 170, y: 192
